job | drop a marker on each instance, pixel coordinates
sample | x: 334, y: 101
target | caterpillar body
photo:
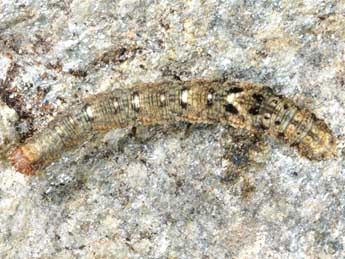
x: 239, y: 104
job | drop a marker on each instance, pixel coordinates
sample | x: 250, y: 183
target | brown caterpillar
x: 239, y: 104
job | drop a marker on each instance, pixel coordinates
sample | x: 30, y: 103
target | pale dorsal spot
x: 230, y: 98
x: 116, y: 104
x: 210, y: 97
x: 136, y: 101
x: 89, y: 112
x: 162, y: 99
x: 184, y: 98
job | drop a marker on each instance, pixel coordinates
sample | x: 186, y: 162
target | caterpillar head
x: 22, y: 160
x: 319, y: 143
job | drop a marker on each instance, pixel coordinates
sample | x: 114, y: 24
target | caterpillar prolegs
x: 239, y: 104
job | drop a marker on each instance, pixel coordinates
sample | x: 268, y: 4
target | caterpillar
x: 239, y: 104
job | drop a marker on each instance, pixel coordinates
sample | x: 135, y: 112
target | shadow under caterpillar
x: 239, y: 104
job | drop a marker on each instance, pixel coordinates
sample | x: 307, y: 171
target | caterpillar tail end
x: 21, y: 162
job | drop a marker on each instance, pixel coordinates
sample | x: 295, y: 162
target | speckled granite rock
x: 172, y: 191
x: 8, y: 136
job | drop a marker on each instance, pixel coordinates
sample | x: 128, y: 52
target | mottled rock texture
x: 172, y: 191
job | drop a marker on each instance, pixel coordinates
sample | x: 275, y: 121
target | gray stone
x: 171, y: 191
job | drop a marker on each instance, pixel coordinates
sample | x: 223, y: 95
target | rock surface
x: 172, y: 191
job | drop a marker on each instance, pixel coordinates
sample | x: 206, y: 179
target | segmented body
x: 239, y: 104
